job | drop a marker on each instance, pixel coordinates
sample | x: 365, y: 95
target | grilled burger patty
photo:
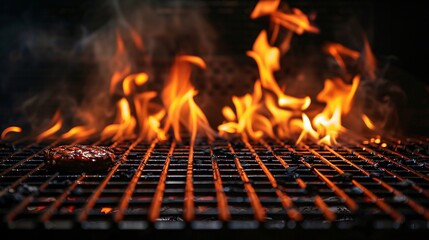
x: 79, y: 158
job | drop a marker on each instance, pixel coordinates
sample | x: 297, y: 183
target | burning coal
x: 140, y: 112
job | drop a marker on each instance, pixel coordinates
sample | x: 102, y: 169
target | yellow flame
x: 228, y: 113
x: 178, y: 98
x: 138, y: 79
x: 338, y: 97
x: 249, y: 121
x: 368, y: 122
x: 267, y: 59
x: 296, y: 21
x: 124, y: 126
x: 79, y: 132
x: 56, y: 124
x: 10, y: 129
x: 263, y: 8
x: 149, y: 122
x: 307, y: 130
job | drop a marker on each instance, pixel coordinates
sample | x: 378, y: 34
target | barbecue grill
x: 272, y: 187
x: 370, y: 185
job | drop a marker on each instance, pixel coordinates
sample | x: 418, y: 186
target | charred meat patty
x: 79, y: 158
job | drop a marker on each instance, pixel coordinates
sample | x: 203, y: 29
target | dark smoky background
x: 59, y: 55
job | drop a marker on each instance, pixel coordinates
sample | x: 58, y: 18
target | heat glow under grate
x: 225, y: 184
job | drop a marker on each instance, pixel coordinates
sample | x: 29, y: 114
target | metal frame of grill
x: 268, y: 186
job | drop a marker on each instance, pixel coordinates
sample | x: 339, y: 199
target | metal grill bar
x: 96, y: 195
x: 232, y: 184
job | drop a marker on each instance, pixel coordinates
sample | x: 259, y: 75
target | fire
x: 178, y: 98
x: 250, y: 121
x: 267, y: 59
x: 263, y: 8
x: 10, y: 129
x: 118, y: 75
x: 266, y: 112
x: 368, y: 122
x: 339, y: 52
x: 149, y: 123
x: 79, y: 132
x: 124, y: 125
x: 338, y: 97
x: 55, y: 126
x: 138, y: 79
x: 296, y: 21
x: 106, y: 210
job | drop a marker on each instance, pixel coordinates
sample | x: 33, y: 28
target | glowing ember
x: 263, y: 8
x: 10, y: 129
x: 106, y: 210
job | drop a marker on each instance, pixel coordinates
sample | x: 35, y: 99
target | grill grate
x: 224, y: 185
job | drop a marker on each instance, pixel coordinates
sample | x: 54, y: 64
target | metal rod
x: 222, y: 202
x: 286, y: 201
x: 123, y: 203
x: 94, y: 197
x: 155, y: 207
x: 253, y: 197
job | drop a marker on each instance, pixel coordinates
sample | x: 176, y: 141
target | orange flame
x: 79, y: 132
x: 282, y: 119
x: 339, y: 52
x: 138, y: 79
x: 250, y: 122
x: 10, y: 129
x: 338, y: 97
x: 263, y: 8
x: 368, y: 122
x: 55, y: 124
x: 125, y: 123
x: 267, y: 59
x: 296, y: 21
x: 106, y: 210
x: 307, y: 130
x: 118, y: 74
x: 178, y: 98
x: 149, y: 123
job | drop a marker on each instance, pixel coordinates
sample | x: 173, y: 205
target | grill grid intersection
x: 228, y: 184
